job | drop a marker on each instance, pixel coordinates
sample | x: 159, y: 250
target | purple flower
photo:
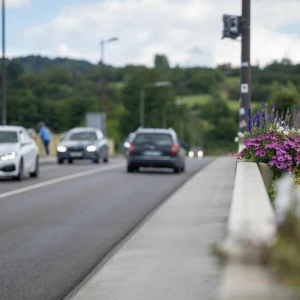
x: 281, y: 165
x: 251, y: 143
x: 280, y: 158
x: 260, y: 153
x: 291, y: 144
x: 280, y: 151
x: 249, y: 120
x: 257, y: 120
x: 264, y: 120
x: 288, y: 157
x: 271, y: 146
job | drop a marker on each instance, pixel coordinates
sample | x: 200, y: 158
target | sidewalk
x: 47, y: 160
x: 169, y: 257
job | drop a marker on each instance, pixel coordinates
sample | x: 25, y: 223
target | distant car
x: 19, y: 154
x: 196, y: 152
x: 158, y: 148
x: 83, y: 143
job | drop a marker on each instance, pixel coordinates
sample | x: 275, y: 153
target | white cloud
x: 17, y: 3
x: 188, y: 32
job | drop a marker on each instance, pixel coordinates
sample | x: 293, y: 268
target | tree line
x: 61, y: 91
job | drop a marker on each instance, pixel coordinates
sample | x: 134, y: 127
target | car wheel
x: 36, y: 171
x: 177, y: 170
x: 105, y: 155
x: 70, y: 161
x: 60, y: 161
x: 96, y: 161
x: 131, y: 169
x: 20, y: 176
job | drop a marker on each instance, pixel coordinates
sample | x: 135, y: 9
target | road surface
x: 54, y: 230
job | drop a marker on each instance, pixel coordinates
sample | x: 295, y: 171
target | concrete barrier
x: 252, y: 217
x: 251, y: 227
x: 55, y: 140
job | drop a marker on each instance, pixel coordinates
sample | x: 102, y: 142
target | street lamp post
x: 102, y: 88
x: 142, y: 97
x: 4, y: 109
x: 165, y: 111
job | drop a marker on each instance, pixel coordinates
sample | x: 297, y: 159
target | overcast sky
x: 187, y: 31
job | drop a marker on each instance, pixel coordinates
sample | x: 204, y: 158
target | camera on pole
x: 232, y: 26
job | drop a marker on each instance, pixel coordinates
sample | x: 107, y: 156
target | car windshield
x: 159, y: 139
x: 8, y: 137
x: 82, y: 136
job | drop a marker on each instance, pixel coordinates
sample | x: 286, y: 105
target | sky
x: 187, y: 31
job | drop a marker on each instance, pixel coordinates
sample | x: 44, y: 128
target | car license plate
x: 152, y: 153
x: 76, y: 154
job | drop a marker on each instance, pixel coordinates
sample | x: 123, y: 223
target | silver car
x: 83, y: 143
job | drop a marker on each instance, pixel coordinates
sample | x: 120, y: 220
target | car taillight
x: 131, y: 149
x: 174, y: 149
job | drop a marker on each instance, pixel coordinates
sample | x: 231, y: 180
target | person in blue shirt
x: 45, y: 136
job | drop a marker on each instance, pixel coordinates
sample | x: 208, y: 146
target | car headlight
x: 126, y: 144
x: 200, y: 153
x: 91, y: 148
x: 8, y: 156
x: 62, y: 148
x: 191, y: 154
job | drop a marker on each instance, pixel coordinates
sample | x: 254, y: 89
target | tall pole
x: 102, y: 100
x: 142, y: 107
x: 164, y: 116
x: 181, y: 124
x: 4, y: 113
x: 245, y: 98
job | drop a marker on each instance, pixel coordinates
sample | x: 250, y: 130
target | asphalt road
x: 54, y: 230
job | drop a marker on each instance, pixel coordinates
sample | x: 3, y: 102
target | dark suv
x: 157, y: 148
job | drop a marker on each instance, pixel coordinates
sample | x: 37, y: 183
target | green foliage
x: 222, y: 125
x: 39, y: 64
x: 156, y: 98
x: 284, y: 97
x: 61, y: 91
x: 162, y: 66
x: 195, y: 100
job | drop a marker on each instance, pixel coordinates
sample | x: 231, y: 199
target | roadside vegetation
x: 61, y: 91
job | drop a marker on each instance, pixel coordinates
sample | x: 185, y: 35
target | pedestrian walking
x: 45, y: 137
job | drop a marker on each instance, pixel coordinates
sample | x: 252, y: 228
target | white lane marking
x: 59, y: 180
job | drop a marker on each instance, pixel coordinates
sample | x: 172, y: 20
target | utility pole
x: 234, y: 27
x: 102, y: 85
x: 245, y: 98
x: 142, y: 106
x: 4, y: 104
x: 102, y: 92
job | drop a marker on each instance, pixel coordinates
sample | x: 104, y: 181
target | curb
x: 47, y: 161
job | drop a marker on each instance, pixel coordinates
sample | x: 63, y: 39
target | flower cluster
x: 281, y: 152
x: 265, y: 121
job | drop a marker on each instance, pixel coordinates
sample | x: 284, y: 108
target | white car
x: 19, y: 154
